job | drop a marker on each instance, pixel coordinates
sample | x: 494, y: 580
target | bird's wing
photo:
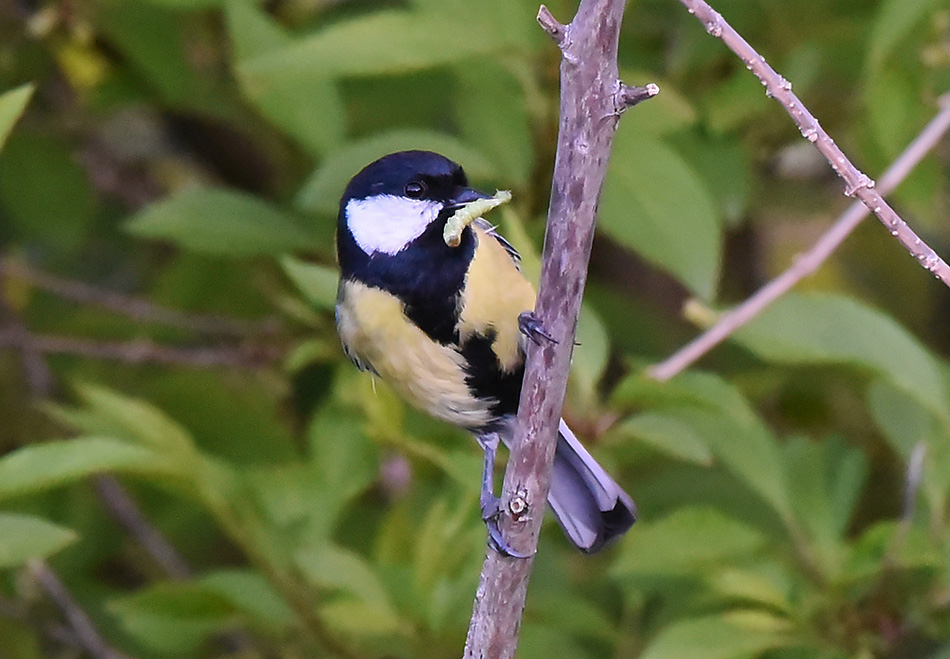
x: 508, y: 247
x: 343, y: 322
x: 361, y: 363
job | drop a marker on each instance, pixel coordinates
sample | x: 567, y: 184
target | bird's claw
x: 490, y: 512
x: 489, y: 503
x: 532, y: 327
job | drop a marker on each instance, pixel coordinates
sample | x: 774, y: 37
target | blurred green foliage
x: 180, y: 150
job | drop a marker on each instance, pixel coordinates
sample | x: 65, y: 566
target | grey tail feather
x: 588, y: 504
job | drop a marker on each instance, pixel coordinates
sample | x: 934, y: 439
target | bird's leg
x: 490, y: 504
x: 532, y: 327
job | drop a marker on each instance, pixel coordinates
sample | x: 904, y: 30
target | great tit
x: 446, y: 327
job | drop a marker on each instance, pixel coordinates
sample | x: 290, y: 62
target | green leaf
x: 312, y: 351
x: 309, y: 108
x: 138, y: 421
x: 825, y: 480
x: 590, y: 355
x: 668, y: 434
x: 889, y: 546
x: 719, y: 414
x: 492, y: 112
x: 186, y: 4
x: 735, y: 434
x: 308, y: 499
x: 942, y: 653
x: 753, y: 585
x: 338, y: 569
x: 383, y: 42
x: 542, y: 639
x: 345, y: 458
x: 735, y: 102
x: 358, y: 618
x: 905, y: 423
x: 895, y: 109
x: 155, y: 46
x: 511, y: 22
x: 667, y: 112
x: 564, y: 610
x: 723, y: 166
x: 12, y: 104
x: 831, y: 329
x: 23, y: 641
x: 719, y: 637
x: 297, y: 501
x: 234, y: 417
x: 40, y: 467
x: 172, y: 617
x: 221, y: 222
x: 318, y: 283
x: 44, y: 192
x: 655, y: 204
x: 896, y: 20
x: 23, y: 537
x: 687, y: 541
x: 322, y: 191
x: 250, y: 593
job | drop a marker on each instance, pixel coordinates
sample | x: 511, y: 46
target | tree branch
x: 857, y: 184
x: 133, y: 307
x: 806, y: 263
x: 86, y: 633
x: 126, y: 512
x: 140, y: 352
x: 592, y: 98
x: 39, y: 377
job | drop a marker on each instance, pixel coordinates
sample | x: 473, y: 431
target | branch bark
x: 141, y: 352
x: 857, y: 183
x: 134, y: 307
x: 806, y: 263
x: 85, y: 631
x: 592, y: 100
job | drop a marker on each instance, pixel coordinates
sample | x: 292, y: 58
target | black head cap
x: 417, y: 174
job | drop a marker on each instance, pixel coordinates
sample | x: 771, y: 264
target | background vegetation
x: 188, y: 155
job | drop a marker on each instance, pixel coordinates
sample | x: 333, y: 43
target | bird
x: 446, y: 327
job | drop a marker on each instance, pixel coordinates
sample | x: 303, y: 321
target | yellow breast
x: 428, y: 375
x: 495, y: 294
x: 431, y: 376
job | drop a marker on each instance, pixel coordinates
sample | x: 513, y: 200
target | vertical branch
x: 592, y: 99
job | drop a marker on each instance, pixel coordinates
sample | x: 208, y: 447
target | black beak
x: 465, y: 195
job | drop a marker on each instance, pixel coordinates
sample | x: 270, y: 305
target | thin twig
x: 125, y: 511
x: 134, y: 307
x: 592, y: 99
x: 141, y: 352
x: 39, y: 377
x: 86, y: 632
x: 857, y: 184
x: 808, y: 262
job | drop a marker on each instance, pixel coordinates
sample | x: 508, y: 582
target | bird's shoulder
x: 491, y: 230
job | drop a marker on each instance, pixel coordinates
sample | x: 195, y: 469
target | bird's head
x: 393, y: 200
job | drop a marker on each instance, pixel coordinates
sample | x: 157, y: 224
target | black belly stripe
x: 486, y: 378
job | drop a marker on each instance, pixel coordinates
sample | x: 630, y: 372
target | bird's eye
x: 415, y: 189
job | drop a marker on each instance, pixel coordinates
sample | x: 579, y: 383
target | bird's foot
x: 489, y: 503
x: 491, y: 510
x: 532, y: 327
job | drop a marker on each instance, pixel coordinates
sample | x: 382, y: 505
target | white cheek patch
x: 387, y: 223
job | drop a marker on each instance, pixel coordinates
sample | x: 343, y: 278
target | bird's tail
x: 588, y: 504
